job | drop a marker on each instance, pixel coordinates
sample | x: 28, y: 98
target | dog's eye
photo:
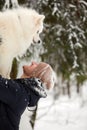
x: 37, y: 32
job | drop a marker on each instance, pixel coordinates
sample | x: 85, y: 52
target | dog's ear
x: 39, y: 19
x: 42, y: 17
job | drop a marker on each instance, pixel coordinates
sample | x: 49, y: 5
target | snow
x: 63, y: 114
x: 7, y: 4
x: 6, y: 82
x: 25, y: 121
x: 75, y: 64
x: 83, y: 2
x: 78, y: 45
x: 72, y: 6
x: 55, y: 9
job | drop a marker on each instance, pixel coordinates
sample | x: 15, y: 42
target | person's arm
x: 14, y: 95
x: 7, y: 93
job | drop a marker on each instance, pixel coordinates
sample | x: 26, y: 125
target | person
x: 42, y: 71
x: 17, y: 94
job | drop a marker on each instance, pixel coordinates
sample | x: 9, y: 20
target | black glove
x: 33, y: 99
x: 36, y: 91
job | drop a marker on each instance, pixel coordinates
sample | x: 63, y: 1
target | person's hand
x: 33, y: 99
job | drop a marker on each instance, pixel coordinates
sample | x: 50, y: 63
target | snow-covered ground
x: 63, y: 114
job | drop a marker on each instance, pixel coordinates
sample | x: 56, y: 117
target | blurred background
x: 64, y: 47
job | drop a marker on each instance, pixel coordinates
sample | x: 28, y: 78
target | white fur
x: 18, y: 29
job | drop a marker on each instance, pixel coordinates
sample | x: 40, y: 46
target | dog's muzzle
x: 39, y: 41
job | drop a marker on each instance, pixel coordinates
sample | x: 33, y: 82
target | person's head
x: 41, y: 70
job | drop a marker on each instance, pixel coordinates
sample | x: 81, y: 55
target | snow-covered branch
x: 14, y: 4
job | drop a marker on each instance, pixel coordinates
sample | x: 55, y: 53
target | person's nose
x: 25, y: 66
x: 34, y: 63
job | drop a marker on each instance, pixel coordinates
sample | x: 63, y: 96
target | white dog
x: 18, y: 29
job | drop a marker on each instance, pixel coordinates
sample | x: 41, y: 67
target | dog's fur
x: 18, y: 29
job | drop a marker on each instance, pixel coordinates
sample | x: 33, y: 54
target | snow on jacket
x: 15, y: 96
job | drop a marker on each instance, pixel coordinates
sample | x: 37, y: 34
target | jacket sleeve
x: 10, y: 92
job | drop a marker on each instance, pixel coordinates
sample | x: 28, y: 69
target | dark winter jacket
x: 15, y: 96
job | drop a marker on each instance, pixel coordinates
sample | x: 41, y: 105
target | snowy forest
x: 64, y: 44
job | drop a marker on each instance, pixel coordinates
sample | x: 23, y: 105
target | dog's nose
x: 39, y: 41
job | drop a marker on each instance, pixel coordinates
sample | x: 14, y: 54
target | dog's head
x: 31, y: 23
x: 38, y: 28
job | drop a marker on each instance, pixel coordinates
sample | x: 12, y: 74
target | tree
x: 65, y: 36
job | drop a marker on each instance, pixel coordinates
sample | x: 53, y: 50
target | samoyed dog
x: 19, y: 28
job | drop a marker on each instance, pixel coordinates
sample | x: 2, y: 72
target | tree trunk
x: 14, y: 69
x: 78, y: 87
x: 68, y: 89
